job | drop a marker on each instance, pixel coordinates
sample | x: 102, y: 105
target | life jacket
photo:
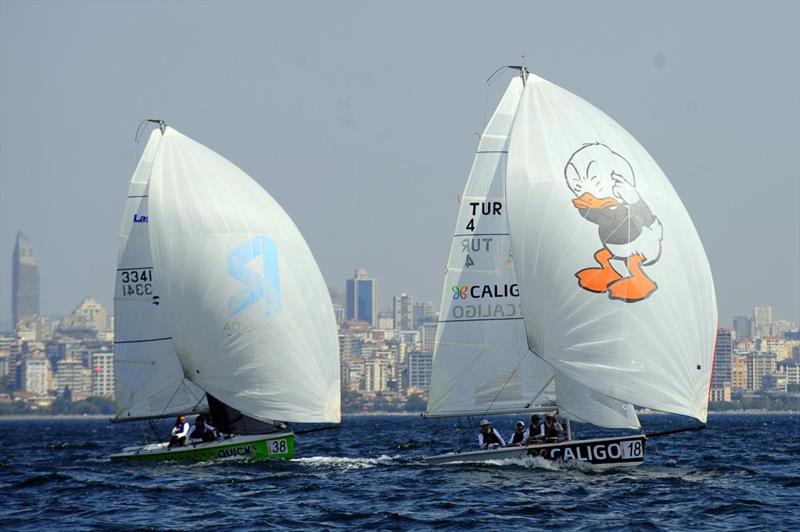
x: 198, y: 431
x: 550, y: 431
x: 517, y: 437
x: 490, y: 438
x: 534, y: 431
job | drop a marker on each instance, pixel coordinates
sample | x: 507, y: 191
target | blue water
x: 743, y: 471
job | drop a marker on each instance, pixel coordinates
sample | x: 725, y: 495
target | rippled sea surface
x: 743, y: 471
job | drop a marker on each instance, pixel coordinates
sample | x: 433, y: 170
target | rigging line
x: 502, y: 388
x: 174, y: 393
x: 540, y: 392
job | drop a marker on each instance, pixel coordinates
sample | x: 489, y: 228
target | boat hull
x: 258, y: 447
x: 601, y: 452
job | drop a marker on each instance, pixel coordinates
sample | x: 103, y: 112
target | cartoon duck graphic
x: 605, y: 194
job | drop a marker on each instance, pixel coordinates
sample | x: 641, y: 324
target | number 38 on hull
x: 600, y: 452
x: 259, y: 447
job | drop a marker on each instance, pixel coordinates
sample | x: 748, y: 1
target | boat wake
x: 344, y: 463
x: 537, y: 462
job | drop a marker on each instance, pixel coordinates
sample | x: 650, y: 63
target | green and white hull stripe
x: 257, y: 447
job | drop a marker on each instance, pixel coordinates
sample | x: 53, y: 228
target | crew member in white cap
x: 489, y: 438
x: 518, y: 437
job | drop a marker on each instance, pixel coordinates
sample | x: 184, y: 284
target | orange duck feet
x: 598, y: 279
x: 634, y: 288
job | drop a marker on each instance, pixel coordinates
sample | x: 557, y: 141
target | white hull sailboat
x: 220, y: 308
x: 576, y: 283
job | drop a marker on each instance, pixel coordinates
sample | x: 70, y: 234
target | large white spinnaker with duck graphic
x: 617, y: 290
x: 247, y: 307
x: 482, y: 364
x: 149, y: 380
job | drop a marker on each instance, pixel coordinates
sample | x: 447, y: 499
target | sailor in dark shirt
x: 489, y: 438
x: 553, y: 431
x: 535, y: 432
x: 518, y: 437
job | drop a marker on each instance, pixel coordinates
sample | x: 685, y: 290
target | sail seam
x: 145, y: 340
x: 480, y: 234
x: 481, y: 319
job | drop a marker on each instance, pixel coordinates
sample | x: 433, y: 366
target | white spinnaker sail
x: 248, y: 308
x: 588, y: 203
x: 148, y: 378
x: 481, y: 360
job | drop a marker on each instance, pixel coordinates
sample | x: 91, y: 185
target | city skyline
x: 370, y: 158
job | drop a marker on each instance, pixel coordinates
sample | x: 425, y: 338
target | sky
x: 360, y: 120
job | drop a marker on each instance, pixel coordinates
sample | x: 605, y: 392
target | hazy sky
x: 359, y: 118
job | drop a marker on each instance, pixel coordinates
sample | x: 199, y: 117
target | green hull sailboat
x: 220, y: 308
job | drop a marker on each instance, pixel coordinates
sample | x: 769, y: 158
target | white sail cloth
x: 247, y: 306
x: 481, y: 359
x: 588, y: 204
x: 149, y: 380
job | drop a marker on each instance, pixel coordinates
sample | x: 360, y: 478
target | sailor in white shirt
x: 179, y: 432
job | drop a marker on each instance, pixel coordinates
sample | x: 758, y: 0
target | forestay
x: 247, y: 306
x: 148, y: 378
x: 481, y: 360
x: 618, y: 291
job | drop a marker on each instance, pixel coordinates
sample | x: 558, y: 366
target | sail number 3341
x: 137, y: 282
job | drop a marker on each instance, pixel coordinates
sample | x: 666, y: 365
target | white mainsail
x: 149, y: 380
x: 481, y: 361
x: 247, y: 306
x: 618, y: 294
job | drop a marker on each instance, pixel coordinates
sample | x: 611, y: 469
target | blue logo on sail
x: 261, y: 285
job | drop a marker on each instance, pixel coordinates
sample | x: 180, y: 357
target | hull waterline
x: 601, y: 452
x: 257, y: 447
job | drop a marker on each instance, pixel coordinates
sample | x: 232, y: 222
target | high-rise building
x: 762, y: 320
x: 739, y: 372
x: 758, y: 366
x: 34, y: 374
x: 429, y: 335
x: 419, y: 369
x: 742, y: 327
x: 103, y: 374
x: 338, y: 312
x: 361, y: 298
x: 24, y: 280
x: 70, y: 374
x: 423, y: 313
x: 88, y: 314
x: 403, y: 309
x: 723, y: 353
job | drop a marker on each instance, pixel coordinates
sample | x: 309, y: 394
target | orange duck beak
x: 588, y: 201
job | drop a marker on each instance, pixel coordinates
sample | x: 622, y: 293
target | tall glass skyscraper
x: 361, y: 298
x: 723, y: 359
x: 24, y: 280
